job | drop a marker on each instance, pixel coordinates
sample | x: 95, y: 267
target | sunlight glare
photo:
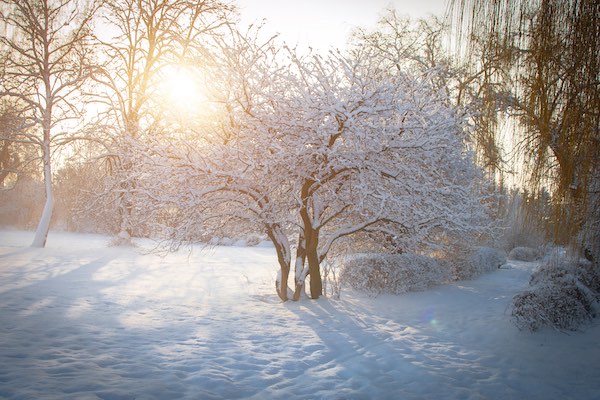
x: 182, y: 89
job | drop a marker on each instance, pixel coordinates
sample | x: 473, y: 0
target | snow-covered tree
x: 45, y: 64
x: 424, y: 45
x: 373, y: 151
x: 140, y: 40
x: 322, y: 149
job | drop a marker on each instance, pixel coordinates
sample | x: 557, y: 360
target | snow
x: 81, y: 320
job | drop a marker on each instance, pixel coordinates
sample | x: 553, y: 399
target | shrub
x: 393, y: 273
x: 253, y: 240
x: 482, y: 260
x: 488, y: 259
x: 524, y: 254
x: 563, y: 294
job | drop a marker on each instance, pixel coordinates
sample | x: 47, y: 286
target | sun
x: 187, y: 99
x: 181, y: 86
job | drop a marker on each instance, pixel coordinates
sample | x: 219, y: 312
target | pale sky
x: 326, y: 23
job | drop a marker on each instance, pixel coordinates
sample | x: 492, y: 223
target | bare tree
x: 45, y: 65
x: 13, y: 155
x: 142, y: 39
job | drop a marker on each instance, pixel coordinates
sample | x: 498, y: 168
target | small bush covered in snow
x: 253, y: 240
x: 489, y: 259
x: 393, y: 273
x: 563, y: 294
x: 524, y: 254
x: 482, y: 260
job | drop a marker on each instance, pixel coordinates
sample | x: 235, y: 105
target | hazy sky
x: 326, y: 23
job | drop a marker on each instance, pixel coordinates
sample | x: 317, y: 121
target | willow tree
x: 45, y: 63
x: 549, y: 55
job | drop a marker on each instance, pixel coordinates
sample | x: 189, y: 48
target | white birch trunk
x: 41, y: 233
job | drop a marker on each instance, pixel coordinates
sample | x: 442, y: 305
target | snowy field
x: 81, y: 320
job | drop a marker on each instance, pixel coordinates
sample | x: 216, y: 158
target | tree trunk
x: 316, y: 283
x: 125, y: 201
x: 282, y: 286
x: 281, y: 244
x: 300, y: 274
x: 41, y: 233
x: 125, y: 207
x: 314, y: 270
x: 128, y: 184
x: 311, y: 241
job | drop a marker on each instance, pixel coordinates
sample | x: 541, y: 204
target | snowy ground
x: 80, y: 320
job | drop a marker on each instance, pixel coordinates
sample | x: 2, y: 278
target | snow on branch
x: 329, y: 149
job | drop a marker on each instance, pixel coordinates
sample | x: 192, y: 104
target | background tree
x: 408, y: 46
x: 547, y: 51
x: 142, y: 41
x: 14, y: 155
x: 421, y: 47
x: 45, y: 65
x: 21, y: 194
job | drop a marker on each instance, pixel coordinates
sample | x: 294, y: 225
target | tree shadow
x: 384, y: 359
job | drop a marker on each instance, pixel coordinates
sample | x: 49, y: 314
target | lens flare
x: 428, y: 317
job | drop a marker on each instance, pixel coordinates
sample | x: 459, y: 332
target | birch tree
x: 45, y: 65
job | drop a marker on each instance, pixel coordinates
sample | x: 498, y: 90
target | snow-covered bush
x: 253, y: 240
x: 563, y: 294
x: 489, y: 259
x: 482, y: 260
x: 393, y: 273
x: 524, y: 254
x: 468, y: 262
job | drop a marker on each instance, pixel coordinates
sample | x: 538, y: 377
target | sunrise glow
x: 182, y: 89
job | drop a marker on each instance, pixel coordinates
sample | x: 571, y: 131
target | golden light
x: 187, y: 104
x: 182, y: 90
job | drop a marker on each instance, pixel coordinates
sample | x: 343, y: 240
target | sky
x: 322, y: 24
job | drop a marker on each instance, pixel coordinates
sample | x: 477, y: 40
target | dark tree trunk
x: 314, y: 270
